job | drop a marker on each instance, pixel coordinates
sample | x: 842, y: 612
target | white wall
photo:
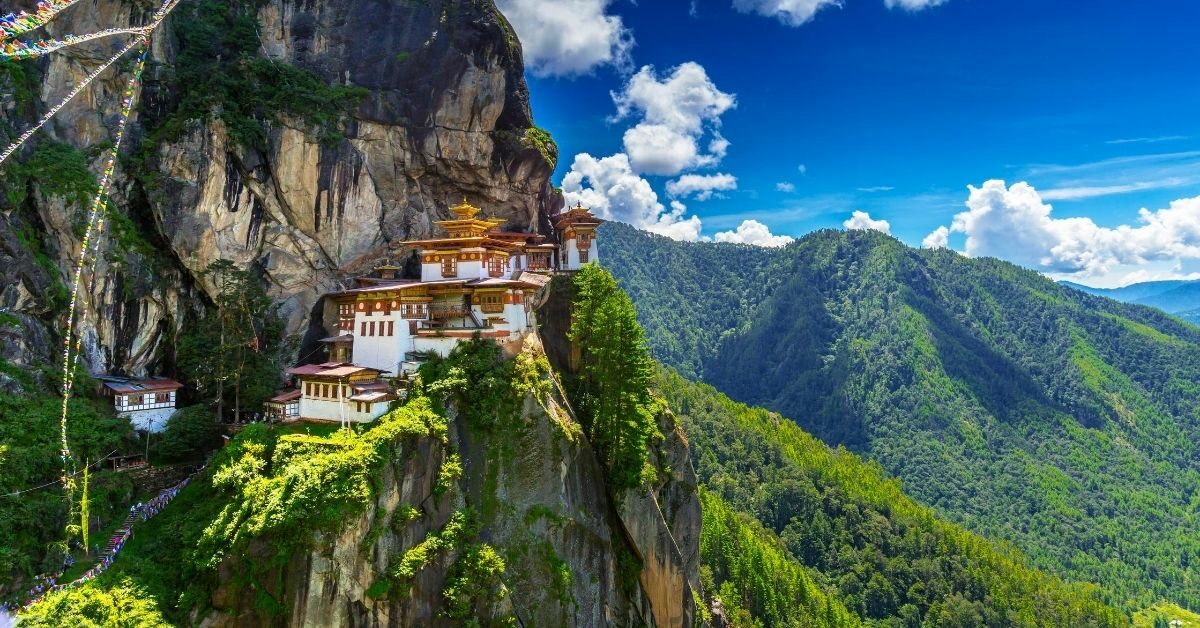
x: 380, y: 352
x: 154, y: 420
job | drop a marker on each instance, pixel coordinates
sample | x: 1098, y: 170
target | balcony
x: 444, y: 312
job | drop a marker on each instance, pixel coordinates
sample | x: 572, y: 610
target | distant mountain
x: 1169, y: 296
x: 1063, y: 422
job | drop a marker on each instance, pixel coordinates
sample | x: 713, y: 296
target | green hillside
x: 1027, y: 411
x: 855, y: 533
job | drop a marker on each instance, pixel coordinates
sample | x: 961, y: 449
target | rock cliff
x: 440, y: 112
x: 573, y: 557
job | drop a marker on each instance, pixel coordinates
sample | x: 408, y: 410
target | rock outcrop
x: 573, y: 556
x: 445, y: 115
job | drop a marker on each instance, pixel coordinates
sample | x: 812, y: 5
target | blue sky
x: 830, y: 108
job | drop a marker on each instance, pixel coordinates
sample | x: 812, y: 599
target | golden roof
x: 465, y: 210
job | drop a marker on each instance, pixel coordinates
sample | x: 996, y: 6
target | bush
x: 190, y: 433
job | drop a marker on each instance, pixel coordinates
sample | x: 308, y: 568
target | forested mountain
x: 1025, y: 410
x: 833, y: 533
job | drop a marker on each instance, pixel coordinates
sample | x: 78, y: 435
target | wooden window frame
x: 449, y: 266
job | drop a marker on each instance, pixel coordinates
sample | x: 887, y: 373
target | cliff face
x: 445, y: 115
x: 573, y: 557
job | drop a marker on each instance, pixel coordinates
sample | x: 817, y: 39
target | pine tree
x: 615, y: 371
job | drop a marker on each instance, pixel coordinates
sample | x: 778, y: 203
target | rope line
x: 53, y: 482
x: 17, y: 49
x: 71, y: 96
x: 12, y: 25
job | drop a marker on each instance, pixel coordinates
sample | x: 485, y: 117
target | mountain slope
x: 1063, y: 422
x: 882, y: 555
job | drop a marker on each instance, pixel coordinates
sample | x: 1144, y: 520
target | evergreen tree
x: 615, y: 370
x: 234, y: 354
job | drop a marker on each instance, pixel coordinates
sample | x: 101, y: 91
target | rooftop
x: 123, y: 385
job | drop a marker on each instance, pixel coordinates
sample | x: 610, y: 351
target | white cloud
x: 568, y: 37
x: 1015, y: 224
x: 877, y: 188
x: 1117, y: 175
x: 753, y: 232
x: 939, y: 239
x: 863, y: 220
x: 1147, y: 140
x: 676, y: 112
x: 785, y: 186
x: 702, y: 186
x: 912, y: 5
x: 790, y: 12
x: 802, y: 169
x: 612, y: 190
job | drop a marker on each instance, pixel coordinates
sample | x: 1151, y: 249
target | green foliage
x: 189, y: 432
x: 219, y: 73
x: 884, y: 556
x: 233, y: 355
x: 473, y: 582
x: 612, y: 387
x: 448, y: 474
x: 475, y: 378
x: 29, y: 457
x: 57, y: 169
x: 753, y: 572
x: 544, y: 143
x: 485, y: 388
x: 122, y: 604
x: 283, y: 488
x: 1030, y: 412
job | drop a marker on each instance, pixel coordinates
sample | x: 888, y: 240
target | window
x: 391, y: 328
x: 364, y: 329
x: 449, y: 266
x: 162, y: 397
x: 135, y: 400
x: 491, y: 303
x: 413, y: 310
x: 372, y: 328
x: 496, y: 266
x: 583, y: 256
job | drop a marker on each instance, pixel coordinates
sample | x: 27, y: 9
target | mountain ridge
x: 1020, y: 408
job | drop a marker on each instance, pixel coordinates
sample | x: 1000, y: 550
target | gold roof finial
x: 465, y: 211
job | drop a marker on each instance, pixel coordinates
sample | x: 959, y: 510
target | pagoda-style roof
x: 483, y: 241
x: 466, y: 222
x: 578, y: 216
x: 488, y: 282
x: 331, y: 369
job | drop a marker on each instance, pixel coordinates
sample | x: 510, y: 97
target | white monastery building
x: 147, y: 402
x: 477, y: 281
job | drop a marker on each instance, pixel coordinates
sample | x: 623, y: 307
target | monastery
x: 475, y: 281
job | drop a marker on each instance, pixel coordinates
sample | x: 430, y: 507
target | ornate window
x: 496, y: 264
x: 491, y: 303
x: 449, y: 266
x: 162, y: 397
x: 583, y: 256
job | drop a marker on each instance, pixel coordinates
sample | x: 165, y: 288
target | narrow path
x: 137, y: 513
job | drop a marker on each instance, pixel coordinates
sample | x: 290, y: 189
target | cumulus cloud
x: 790, y: 12
x: 611, y: 188
x: 939, y: 239
x: 568, y: 37
x: 785, y: 186
x: 1014, y: 223
x: 675, y: 114
x: 753, y: 232
x: 701, y: 186
x: 862, y: 220
x: 912, y: 5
